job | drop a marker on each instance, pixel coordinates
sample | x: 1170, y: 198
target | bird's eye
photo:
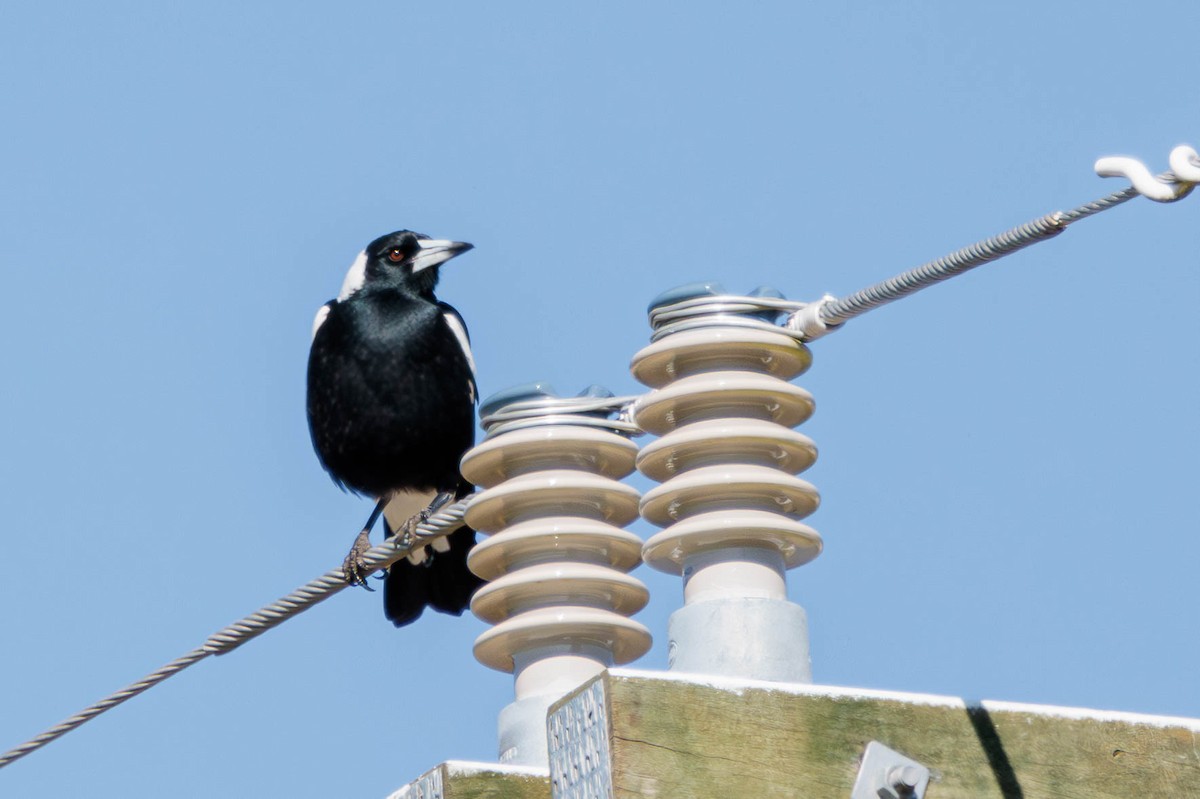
x: 395, y: 255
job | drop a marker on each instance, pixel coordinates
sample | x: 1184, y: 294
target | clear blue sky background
x: 1008, y: 461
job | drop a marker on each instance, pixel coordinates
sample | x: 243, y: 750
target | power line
x: 229, y: 638
x: 826, y: 315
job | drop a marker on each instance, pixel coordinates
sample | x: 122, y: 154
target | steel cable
x: 948, y: 266
x: 229, y: 638
x: 836, y: 311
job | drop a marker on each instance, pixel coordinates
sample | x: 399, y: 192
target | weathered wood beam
x: 640, y: 734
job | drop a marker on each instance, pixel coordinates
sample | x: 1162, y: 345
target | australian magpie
x: 391, y: 410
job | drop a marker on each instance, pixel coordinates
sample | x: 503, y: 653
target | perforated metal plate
x: 577, y: 735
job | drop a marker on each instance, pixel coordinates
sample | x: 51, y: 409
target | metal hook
x: 1165, y: 189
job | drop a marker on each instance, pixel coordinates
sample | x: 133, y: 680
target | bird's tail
x: 441, y: 580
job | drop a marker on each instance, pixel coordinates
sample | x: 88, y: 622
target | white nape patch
x: 322, y: 315
x: 355, y: 276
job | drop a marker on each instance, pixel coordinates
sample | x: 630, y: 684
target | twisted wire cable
x: 229, y: 638
x: 948, y: 266
x: 1103, y: 204
x: 109, y: 702
x: 839, y: 310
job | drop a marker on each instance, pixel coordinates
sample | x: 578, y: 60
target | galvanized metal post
x: 729, y: 501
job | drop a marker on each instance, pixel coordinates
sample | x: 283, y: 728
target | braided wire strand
x: 948, y: 266
x: 1103, y: 204
x: 234, y: 635
x: 109, y: 702
x: 840, y: 310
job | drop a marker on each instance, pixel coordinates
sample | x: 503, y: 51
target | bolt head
x: 904, y: 779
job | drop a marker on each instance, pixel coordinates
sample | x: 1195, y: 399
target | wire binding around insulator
x: 696, y: 306
x: 719, y: 304
x: 723, y: 320
x: 1165, y: 188
x: 621, y: 424
x: 536, y: 405
x: 726, y: 310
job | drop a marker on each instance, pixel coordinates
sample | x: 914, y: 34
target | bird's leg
x: 353, y: 568
x: 409, y: 528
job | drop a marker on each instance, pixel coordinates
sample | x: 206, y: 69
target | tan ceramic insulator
x: 727, y: 456
x: 556, y: 555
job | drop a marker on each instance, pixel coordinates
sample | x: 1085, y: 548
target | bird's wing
x: 459, y: 328
x: 322, y: 315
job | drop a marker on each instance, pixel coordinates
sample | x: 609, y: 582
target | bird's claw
x: 354, y: 571
x: 408, y: 530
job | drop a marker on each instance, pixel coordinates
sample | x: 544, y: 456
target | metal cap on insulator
x: 730, y: 503
x: 559, y: 595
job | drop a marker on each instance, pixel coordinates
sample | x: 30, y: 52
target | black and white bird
x: 391, y: 409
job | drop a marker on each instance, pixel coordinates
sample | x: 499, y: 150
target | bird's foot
x: 407, y: 536
x: 408, y: 530
x: 354, y: 571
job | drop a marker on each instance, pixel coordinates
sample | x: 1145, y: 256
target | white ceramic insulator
x: 727, y: 456
x: 556, y: 558
x: 730, y: 502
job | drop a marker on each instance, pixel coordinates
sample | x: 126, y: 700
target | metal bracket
x: 887, y: 774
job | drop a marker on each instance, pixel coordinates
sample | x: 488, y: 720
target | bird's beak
x: 435, y: 252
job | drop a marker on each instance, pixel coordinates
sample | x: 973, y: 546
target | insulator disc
x: 711, y: 488
x: 728, y: 440
x: 555, y: 539
x: 549, y: 447
x: 557, y: 492
x: 562, y: 626
x: 798, y: 543
x: 558, y: 584
x: 694, y: 351
x: 719, y: 395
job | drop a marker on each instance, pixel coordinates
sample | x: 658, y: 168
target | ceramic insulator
x: 556, y: 558
x: 730, y: 502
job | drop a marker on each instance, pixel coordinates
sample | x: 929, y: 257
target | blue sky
x: 1008, y: 461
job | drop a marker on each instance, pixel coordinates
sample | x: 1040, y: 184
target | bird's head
x: 403, y: 259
